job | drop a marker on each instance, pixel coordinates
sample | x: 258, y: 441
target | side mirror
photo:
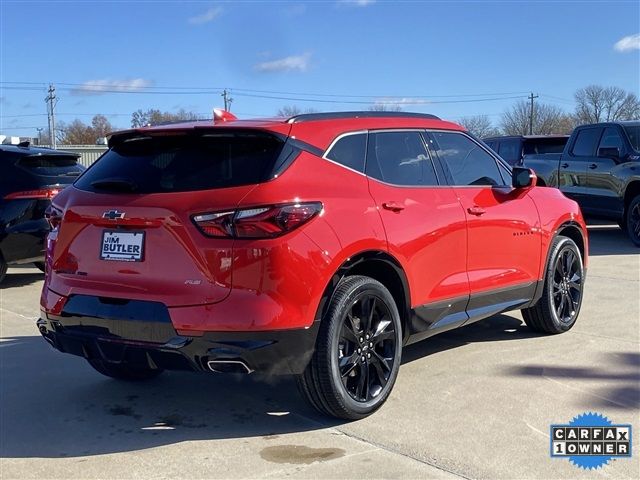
x: 523, y: 177
x: 609, y: 152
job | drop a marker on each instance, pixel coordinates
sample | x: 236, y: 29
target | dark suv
x: 317, y: 245
x: 29, y: 179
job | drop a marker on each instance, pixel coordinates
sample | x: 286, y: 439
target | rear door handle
x: 565, y: 165
x: 393, y: 206
x: 593, y: 166
x: 476, y: 210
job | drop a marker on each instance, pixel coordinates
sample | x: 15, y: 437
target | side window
x: 467, y: 162
x: 611, y: 139
x: 349, y: 151
x: 493, y: 145
x: 586, y: 141
x: 510, y: 150
x: 400, y: 158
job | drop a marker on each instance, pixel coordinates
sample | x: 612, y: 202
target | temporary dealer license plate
x: 122, y: 246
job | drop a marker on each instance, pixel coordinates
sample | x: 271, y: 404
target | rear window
x: 51, y: 165
x: 184, y: 163
x: 540, y: 146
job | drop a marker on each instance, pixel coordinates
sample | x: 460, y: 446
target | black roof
x: 307, y: 117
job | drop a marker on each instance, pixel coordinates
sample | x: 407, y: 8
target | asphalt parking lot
x: 473, y: 403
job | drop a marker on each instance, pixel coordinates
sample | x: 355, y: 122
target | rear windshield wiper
x: 115, y: 184
x: 70, y: 174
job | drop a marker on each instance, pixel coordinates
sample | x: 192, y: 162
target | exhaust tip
x: 229, y: 366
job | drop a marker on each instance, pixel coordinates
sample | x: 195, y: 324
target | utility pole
x: 39, y: 135
x: 51, y: 100
x: 226, y: 95
x: 531, y: 97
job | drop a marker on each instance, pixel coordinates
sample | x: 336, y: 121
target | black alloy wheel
x: 366, y: 347
x: 633, y: 221
x: 358, y: 351
x: 567, y: 285
x: 557, y: 309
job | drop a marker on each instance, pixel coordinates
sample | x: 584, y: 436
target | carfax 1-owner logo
x: 591, y: 440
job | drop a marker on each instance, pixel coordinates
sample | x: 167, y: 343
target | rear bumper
x: 155, y: 344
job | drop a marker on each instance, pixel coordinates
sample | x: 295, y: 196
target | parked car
x: 600, y: 169
x: 29, y: 179
x: 317, y: 245
x: 514, y: 148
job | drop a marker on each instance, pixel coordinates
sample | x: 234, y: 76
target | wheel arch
x: 631, y: 191
x: 380, y: 266
x: 572, y: 230
x: 575, y: 233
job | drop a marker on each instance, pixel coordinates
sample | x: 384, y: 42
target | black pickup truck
x: 600, y: 169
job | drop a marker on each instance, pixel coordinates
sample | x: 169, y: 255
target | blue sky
x: 418, y: 54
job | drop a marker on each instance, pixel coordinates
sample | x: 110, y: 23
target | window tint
x: 400, y: 158
x: 184, y: 163
x: 633, y: 133
x: 586, y: 141
x: 611, y: 139
x: 467, y: 162
x: 492, y: 145
x: 534, y: 146
x: 350, y: 151
x: 51, y: 165
x: 510, y: 150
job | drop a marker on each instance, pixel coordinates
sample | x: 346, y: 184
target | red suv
x: 318, y: 246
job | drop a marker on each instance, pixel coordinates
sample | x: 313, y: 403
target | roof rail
x: 307, y: 117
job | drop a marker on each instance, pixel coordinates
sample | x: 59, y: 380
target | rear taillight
x: 42, y: 193
x: 259, y: 222
x: 53, y: 216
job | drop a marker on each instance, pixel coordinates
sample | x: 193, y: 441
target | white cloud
x: 357, y: 3
x: 630, y: 42
x: 298, y: 63
x: 98, y: 87
x: 400, y: 101
x: 206, y: 17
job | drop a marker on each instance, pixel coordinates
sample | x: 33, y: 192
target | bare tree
x: 547, y: 119
x: 289, y: 111
x: 596, y: 103
x: 385, y: 107
x: 79, y: 133
x: 479, y: 125
x: 76, y: 133
x: 153, y: 116
x: 101, y: 126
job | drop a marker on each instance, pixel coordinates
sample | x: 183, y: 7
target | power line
x: 390, y: 102
x: 98, y: 88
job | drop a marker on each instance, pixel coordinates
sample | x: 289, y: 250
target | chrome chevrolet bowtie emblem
x: 113, y: 215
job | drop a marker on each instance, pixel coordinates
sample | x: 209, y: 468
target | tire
x: 632, y: 220
x: 358, y: 351
x: 40, y: 266
x: 3, y: 268
x: 124, y: 372
x: 559, y: 306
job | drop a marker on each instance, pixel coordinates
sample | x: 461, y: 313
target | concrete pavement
x: 472, y: 403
